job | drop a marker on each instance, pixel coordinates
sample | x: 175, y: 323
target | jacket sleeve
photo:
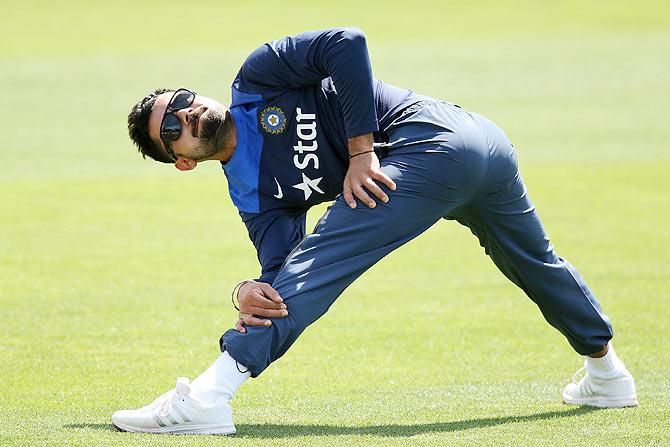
x: 306, y: 59
x: 274, y: 233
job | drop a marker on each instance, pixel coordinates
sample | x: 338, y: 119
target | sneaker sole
x: 602, y: 402
x: 176, y: 430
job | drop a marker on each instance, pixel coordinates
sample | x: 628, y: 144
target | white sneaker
x: 617, y: 392
x: 176, y: 413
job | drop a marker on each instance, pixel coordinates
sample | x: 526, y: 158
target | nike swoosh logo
x: 279, y: 194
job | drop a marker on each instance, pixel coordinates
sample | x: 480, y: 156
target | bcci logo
x: 273, y: 120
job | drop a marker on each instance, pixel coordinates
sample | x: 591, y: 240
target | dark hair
x: 138, y: 127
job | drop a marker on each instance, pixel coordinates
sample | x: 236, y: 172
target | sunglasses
x: 171, y: 124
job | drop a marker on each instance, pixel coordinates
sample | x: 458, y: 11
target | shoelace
x: 575, y: 375
x: 584, y: 385
x: 166, y: 405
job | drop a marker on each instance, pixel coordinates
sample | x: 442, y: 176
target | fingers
x: 265, y: 312
x: 385, y: 179
x: 363, y: 179
x: 270, y: 292
x: 239, y: 326
x: 376, y: 190
x: 250, y: 320
x: 261, y: 300
x: 256, y: 298
x: 257, y: 301
x: 364, y: 197
x: 348, y: 196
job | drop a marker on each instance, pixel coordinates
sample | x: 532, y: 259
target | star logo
x: 308, y: 185
x: 273, y: 120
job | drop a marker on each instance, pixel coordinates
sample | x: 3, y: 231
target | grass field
x: 115, y: 272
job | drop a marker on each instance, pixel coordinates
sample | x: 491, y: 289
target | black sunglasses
x: 171, y: 125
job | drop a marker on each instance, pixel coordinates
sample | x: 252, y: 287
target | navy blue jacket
x: 295, y: 101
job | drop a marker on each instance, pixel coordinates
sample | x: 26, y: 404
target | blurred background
x: 115, y: 271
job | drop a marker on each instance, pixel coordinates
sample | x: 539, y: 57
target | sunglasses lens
x: 171, y: 128
x: 181, y: 100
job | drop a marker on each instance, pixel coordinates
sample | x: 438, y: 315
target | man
x: 308, y: 124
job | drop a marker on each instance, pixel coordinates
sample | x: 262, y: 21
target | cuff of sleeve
x: 362, y: 129
x: 229, y: 341
x: 267, y: 277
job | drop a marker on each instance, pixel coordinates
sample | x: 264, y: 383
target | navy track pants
x: 449, y: 164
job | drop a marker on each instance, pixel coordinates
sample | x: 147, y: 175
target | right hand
x: 364, y: 173
x: 258, y: 299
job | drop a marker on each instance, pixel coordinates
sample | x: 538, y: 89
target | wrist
x: 360, y: 153
x: 236, y: 290
x: 360, y: 144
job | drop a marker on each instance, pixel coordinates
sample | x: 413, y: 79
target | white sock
x: 606, y: 367
x: 222, y: 379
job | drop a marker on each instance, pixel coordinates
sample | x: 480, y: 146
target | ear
x: 185, y: 164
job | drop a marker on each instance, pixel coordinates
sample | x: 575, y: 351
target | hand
x: 363, y: 172
x: 258, y: 299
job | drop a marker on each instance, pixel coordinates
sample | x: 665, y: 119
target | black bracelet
x: 237, y: 289
x: 360, y: 153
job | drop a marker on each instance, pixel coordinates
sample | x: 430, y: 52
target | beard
x: 211, y: 123
x: 211, y: 136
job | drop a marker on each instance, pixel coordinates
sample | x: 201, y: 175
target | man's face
x: 201, y: 127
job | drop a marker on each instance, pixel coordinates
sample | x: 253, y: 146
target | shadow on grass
x: 395, y: 430
x: 104, y: 427
x: 392, y: 430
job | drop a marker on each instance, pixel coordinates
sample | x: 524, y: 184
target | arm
x: 274, y: 234
x: 305, y: 59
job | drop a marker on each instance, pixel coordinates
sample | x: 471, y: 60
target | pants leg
x: 504, y: 219
x: 432, y: 180
x: 444, y: 166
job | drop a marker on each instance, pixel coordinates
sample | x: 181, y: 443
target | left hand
x: 258, y: 300
x: 363, y: 172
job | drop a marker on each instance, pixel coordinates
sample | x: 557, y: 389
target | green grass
x: 115, y: 273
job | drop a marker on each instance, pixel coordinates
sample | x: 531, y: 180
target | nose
x: 184, y: 115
